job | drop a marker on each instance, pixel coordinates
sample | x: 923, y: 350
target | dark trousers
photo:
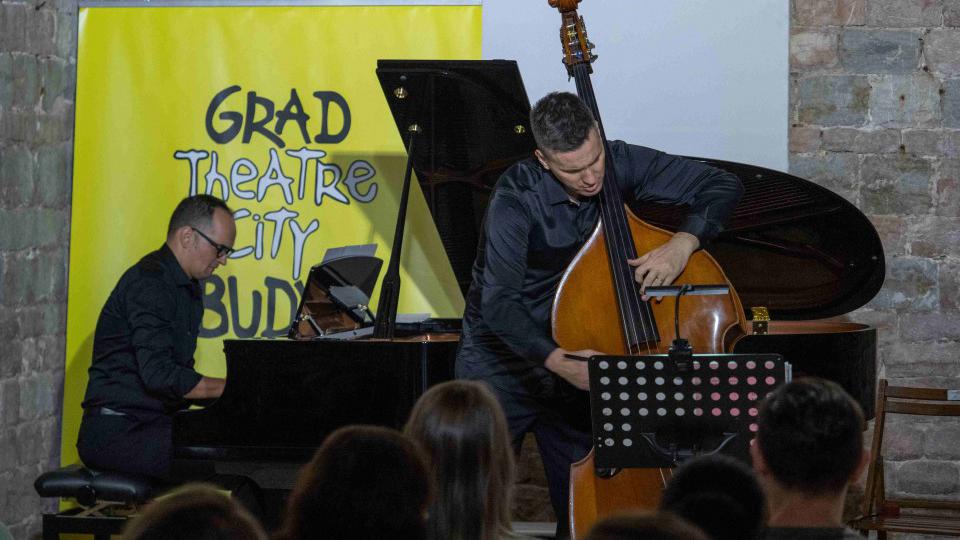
x: 144, y: 446
x: 562, y: 429
x: 127, y: 444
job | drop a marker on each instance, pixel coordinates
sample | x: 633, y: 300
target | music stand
x: 337, y: 294
x: 648, y: 411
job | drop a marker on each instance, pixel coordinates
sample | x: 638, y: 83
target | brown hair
x: 364, y: 483
x: 194, y: 512
x: 645, y: 526
x: 462, y: 428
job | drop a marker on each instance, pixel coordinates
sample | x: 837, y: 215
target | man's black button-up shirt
x: 145, y: 339
x: 532, y: 231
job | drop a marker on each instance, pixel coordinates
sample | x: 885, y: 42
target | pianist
x: 142, y: 369
x: 540, y: 214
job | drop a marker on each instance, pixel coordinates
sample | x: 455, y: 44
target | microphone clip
x: 681, y: 353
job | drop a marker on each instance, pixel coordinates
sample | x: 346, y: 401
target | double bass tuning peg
x: 564, y: 5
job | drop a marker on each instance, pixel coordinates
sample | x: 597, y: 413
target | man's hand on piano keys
x: 207, y: 388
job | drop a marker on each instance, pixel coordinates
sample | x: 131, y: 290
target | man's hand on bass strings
x: 662, y: 265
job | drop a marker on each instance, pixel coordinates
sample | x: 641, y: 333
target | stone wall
x: 37, y: 77
x: 875, y: 116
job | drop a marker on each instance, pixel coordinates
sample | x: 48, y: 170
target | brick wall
x: 37, y: 75
x: 875, y: 116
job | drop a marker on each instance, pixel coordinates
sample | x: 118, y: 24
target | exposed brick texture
x: 886, y: 108
x: 37, y: 80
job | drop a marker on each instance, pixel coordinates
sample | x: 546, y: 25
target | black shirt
x: 145, y: 339
x: 533, y: 230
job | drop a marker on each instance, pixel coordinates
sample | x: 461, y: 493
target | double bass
x: 598, y: 304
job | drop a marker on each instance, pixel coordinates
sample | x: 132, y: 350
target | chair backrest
x: 911, y: 401
x: 919, y: 401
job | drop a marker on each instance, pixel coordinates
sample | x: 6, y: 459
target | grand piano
x: 792, y: 247
x: 284, y: 396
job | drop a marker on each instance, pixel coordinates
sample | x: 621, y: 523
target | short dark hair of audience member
x: 645, y: 526
x: 560, y: 122
x: 194, y: 512
x: 719, y: 494
x: 810, y: 437
x: 463, y: 430
x: 363, y: 483
x: 196, y: 211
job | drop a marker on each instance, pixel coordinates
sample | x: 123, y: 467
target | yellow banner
x: 278, y: 111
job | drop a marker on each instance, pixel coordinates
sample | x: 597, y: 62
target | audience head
x: 645, y: 526
x: 810, y: 438
x: 194, y: 512
x: 201, y: 234
x: 364, y: 483
x: 462, y: 428
x: 719, y: 494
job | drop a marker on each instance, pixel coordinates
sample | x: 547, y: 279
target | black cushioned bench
x: 100, y: 495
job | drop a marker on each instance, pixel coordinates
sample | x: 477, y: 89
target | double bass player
x: 542, y: 211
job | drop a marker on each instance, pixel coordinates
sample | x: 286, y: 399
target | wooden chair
x: 924, y: 516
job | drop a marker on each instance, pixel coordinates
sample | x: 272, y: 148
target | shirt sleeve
x: 654, y: 176
x: 151, y: 308
x: 507, y: 229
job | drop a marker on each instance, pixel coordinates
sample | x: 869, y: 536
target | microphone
x: 680, y: 351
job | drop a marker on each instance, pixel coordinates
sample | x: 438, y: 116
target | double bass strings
x: 619, y: 238
x: 625, y: 306
x: 617, y: 234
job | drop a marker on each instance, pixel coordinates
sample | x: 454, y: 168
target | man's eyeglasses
x: 222, y: 250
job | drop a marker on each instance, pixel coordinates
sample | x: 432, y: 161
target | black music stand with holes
x: 648, y: 412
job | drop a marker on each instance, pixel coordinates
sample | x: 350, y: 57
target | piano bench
x: 107, y: 500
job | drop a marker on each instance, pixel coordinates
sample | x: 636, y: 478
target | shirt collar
x: 169, y: 261
x: 553, y: 190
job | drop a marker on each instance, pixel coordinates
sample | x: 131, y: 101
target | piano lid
x: 474, y: 122
x: 795, y: 247
x: 792, y: 246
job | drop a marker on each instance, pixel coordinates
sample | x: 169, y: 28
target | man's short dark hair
x: 560, y: 122
x: 196, y: 211
x: 719, y: 494
x: 810, y: 433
